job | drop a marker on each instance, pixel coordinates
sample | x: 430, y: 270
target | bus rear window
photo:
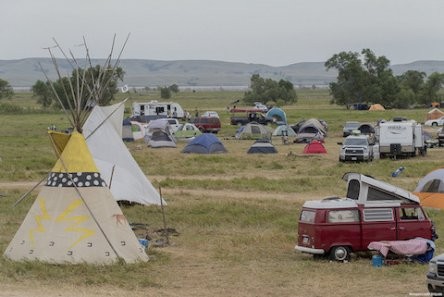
x: 307, y: 216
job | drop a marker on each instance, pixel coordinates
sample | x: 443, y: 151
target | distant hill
x: 204, y: 73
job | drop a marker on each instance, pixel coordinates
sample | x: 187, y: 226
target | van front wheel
x: 340, y: 253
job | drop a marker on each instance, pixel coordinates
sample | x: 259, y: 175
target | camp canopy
x: 430, y: 189
x: 206, y: 143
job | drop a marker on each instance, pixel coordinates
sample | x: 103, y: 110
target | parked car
x: 372, y: 211
x: 356, y: 148
x: 441, y: 137
x: 260, y: 106
x: 210, y: 114
x: 349, y: 127
x: 435, y: 123
x: 207, y: 124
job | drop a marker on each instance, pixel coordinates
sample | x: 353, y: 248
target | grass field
x: 236, y: 214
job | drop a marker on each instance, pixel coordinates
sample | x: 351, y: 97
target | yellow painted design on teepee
x: 76, y: 156
x: 75, y: 221
x: 38, y: 220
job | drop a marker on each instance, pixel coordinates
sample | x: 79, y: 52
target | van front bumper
x: 309, y: 250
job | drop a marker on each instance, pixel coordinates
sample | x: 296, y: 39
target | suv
x: 356, y: 148
x: 207, y: 124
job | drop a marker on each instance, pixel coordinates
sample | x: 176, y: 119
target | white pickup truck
x: 356, y: 148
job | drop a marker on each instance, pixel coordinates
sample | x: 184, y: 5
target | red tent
x: 315, y: 147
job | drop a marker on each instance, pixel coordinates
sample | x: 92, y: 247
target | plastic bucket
x: 143, y: 242
x: 377, y: 261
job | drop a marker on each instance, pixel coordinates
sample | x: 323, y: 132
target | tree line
x: 366, y: 78
x: 362, y: 78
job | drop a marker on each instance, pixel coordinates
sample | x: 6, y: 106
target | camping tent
x: 159, y: 134
x: 310, y: 129
x: 262, y: 146
x: 116, y: 165
x: 315, y: 147
x: 253, y: 130
x: 430, y: 189
x: 376, y: 106
x: 284, y: 130
x: 206, y: 143
x: 75, y: 218
x: 278, y: 115
x: 434, y: 114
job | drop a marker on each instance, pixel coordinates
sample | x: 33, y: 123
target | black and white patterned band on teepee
x: 80, y: 179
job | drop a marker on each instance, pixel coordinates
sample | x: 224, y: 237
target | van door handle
x: 392, y: 228
x: 401, y: 228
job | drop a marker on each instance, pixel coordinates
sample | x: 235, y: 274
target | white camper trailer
x: 159, y: 109
x: 400, y: 138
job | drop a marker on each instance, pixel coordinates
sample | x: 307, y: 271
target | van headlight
x: 433, y: 267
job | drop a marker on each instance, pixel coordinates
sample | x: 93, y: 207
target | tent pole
x: 165, y: 231
x: 27, y: 193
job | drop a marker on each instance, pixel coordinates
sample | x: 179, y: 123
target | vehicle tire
x: 340, y: 253
x: 434, y: 124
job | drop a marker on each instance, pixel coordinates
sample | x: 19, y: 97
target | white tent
x: 116, y: 165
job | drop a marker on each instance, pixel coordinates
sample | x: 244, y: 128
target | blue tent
x: 205, y: 143
x: 278, y: 115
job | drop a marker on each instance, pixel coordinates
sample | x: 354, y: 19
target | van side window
x: 378, y: 214
x: 411, y: 213
x: 378, y: 195
x: 343, y: 216
x: 353, y: 189
x: 307, y: 216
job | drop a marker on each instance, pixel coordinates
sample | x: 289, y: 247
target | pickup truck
x: 356, y: 148
x: 250, y: 117
x: 435, y: 276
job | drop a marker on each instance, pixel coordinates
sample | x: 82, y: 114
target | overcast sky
x: 272, y: 32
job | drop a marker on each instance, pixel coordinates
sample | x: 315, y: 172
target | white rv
x: 400, y: 138
x: 156, y: 108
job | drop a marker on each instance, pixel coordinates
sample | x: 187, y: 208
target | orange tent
x: 376, y: 107
x: 430, y: 189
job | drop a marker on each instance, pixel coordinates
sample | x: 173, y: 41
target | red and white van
x: 372, y: 211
